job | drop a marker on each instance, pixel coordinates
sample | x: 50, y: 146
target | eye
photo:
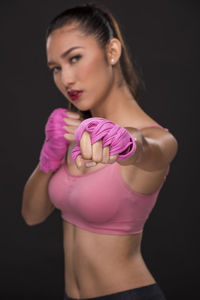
x: 57, y: 69
x: 77, y: 57
x: 54, y: 70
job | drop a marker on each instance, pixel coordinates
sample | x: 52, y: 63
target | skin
x: 93, y: 261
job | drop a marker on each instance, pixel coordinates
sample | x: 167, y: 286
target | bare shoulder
x: 139, y: 123
x: 136, y: 119
x: 165, y: 148
x: 166, y: 141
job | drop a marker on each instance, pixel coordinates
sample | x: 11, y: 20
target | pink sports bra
x: 101, y: 201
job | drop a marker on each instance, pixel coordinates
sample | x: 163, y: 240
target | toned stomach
x: 98, y: 264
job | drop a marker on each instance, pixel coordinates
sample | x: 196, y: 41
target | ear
x: 114, y: 49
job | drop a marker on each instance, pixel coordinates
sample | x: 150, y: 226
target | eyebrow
x: 64, y: 54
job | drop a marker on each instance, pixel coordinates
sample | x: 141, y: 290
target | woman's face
x: 82, y: 68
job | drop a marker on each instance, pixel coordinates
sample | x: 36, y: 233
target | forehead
x: 67, y: 36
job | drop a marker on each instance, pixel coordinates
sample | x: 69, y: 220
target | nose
x: 67, y: 78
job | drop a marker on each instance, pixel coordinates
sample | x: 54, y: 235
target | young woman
x: 103, y: 162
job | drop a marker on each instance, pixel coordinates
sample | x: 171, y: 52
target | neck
x: 117, y: 101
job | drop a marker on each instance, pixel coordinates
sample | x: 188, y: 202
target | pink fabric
x: 111, y: 134
x: 55, y: 144
x: 101, y: 201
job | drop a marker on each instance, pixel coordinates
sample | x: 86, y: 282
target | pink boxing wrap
x: 55, y: 145
x: 112, y: 134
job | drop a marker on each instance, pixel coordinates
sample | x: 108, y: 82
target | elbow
x: 30, y: 221
x: 176, y: 146
x: 173, y: 149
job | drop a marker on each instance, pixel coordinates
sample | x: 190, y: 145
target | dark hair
x: 95, y: 19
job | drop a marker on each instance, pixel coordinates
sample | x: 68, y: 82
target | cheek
x: 87, y: 70
x: 94, y: 70
x: 57, y: 82
x: 59, y: 85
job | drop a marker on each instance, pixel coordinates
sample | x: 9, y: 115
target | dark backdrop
x: 164, y: 40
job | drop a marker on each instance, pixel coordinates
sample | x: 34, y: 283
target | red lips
x: 74, y: 94
x: 71, y: 92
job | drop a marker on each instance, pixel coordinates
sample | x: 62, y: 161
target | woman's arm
x: 36, y: 205
x: 156, y: 148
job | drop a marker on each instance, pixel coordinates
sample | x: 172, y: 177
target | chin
x: 83, y: 107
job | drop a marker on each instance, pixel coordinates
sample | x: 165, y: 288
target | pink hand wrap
x: 55, y: 145
x: 112, y: 134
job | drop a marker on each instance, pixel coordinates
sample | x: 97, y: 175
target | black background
x: 164, y: 40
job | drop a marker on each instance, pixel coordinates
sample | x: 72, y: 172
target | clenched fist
x: 72, y: 121
x: 59, y: 133
x: 102, y: 141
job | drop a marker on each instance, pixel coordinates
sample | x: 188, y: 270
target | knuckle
x: 96, y: 159
x: 85, y: 155
x: 97, y: 156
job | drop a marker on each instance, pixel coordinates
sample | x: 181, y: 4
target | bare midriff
x: 98, y: 264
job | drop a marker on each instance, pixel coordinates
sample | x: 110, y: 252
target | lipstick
x: 74, y: 94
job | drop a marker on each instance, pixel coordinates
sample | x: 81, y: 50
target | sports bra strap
x: 154, y: 125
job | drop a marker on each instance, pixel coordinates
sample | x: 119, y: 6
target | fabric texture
x: 55, y: 144
x: 101, y: 201
x: 118, y: 138
x: 148, y: 292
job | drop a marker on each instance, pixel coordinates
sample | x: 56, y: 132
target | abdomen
x: 98, y: 264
